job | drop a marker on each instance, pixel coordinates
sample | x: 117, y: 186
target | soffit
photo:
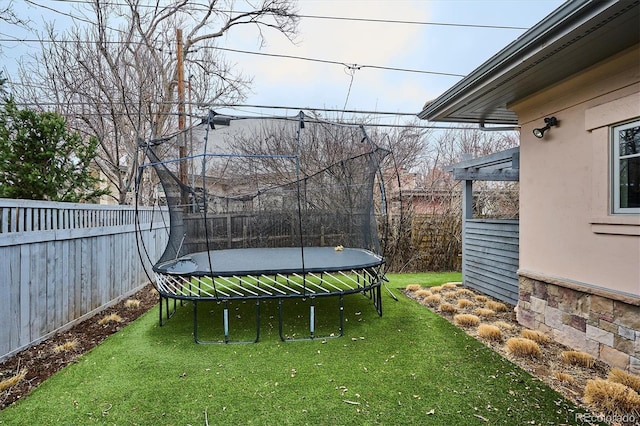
x: 576, y: 36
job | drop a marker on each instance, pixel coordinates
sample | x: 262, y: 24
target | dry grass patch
x: 450, y: 295
x: 496, y: 306
x: 464, y: 292
x: 13, y: 380
x: 466, y: 320
x: 535, y: 335
x: 563, y: 377
x: 70, y: 345
x: 503, y: 325
x: 110, y: 318
x: 465, y: 303
x: 489, y: 332
x: 485, y: 313
x: 432, y: 300
x: 132, y: 304
x: 481, y: 299
x: 423, y: 293
x: 611, y: 398
x: 448, y: 308
x: 436, y: 289
x: 582, y: 359
x: 413, y: 287
x: 451, y: 285
x: 617, y: 375
x: 520, y: 346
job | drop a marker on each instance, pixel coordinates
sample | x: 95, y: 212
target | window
x: 626, y: 168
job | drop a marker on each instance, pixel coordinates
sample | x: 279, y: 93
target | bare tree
x: 430, y: 229
x: 115, y: 74
x: 8, y: 15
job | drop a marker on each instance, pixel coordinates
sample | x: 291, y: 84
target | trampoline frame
x: 308, y: 285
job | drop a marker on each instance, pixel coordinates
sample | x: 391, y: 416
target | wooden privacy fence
x: 62, y: 262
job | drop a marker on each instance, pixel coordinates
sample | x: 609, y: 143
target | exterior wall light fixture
x: 548, y: 123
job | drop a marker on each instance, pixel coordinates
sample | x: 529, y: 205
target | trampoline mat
x: 270, y: 261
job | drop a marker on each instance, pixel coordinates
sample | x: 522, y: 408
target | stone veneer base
x: 593, y: 320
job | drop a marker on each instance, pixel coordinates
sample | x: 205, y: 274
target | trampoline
x: 278, y: 208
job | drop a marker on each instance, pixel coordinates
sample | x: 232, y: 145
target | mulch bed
x: 42, y: 361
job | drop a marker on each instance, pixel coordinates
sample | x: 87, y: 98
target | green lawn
x: 408, y: 367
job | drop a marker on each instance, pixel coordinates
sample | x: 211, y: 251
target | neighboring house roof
x: 576, y: 35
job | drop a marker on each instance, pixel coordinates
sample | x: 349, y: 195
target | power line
x: 334, y: 18
x: 325, y: 61
x: 226, y: 105
x: 249, y: 52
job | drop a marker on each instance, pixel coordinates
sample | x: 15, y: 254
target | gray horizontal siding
x: 490, y: 256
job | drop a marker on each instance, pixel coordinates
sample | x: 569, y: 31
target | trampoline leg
x: 225, y: 320
x: 377, y: 301
x: 257, y: 320
x: 341, y: 330
x: 225, y: 325
x: 195, y: 321
x: 280, y: 319
x: 169, y: 313
x: 312, y: 319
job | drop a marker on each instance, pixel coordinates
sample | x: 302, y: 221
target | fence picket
x: 60, y: 262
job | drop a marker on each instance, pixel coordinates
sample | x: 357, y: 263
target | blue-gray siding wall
x: 490, y: 257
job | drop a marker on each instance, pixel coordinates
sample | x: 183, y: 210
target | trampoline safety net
x: 266, y: 208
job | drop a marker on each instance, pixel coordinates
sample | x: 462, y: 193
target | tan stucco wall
x: 566, y: 230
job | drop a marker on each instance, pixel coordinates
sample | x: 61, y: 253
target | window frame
x: 615, y: 175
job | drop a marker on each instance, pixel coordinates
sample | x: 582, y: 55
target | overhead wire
x: 351, y: 68
x: 194, y: 6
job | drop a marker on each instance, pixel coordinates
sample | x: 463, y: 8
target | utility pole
x: 182, y: 146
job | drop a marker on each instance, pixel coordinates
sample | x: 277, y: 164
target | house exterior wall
x: 579, y: 264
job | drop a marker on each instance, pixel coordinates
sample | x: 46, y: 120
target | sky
x: 359, y: 47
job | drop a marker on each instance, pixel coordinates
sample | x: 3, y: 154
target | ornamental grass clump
x: 13, y: 380
x: 464, y: 303
x: 489, y: 332
x: 432, y: 300
x: 466, y: 320
x: 67, y: 346
x: 503, y: 325
x: 563, y: 377
x: 132, y: 304
x: 413, y: 287
x: 496, y: 306
x: 464, y: 292
x: 617, y: 375
x: 450, y: 295
x: 448, y: 308
x: 110, y: 318
x: 423, y: 293
x: 485, y: 313
x: 520, y: 346
x: 535, y: 335
x: 611, y: 398
x: 436, y: 289
x: 481, y: 299
x: 581, y: 359
x: 449, y: 286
